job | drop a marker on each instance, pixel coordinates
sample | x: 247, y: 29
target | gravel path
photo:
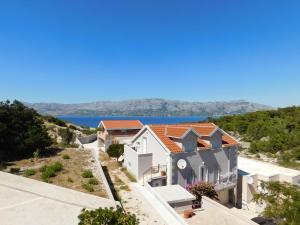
x: 134, y: 202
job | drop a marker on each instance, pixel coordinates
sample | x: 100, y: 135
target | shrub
x: 57, y: 166
x: 115, y: 150
x: 87, y: 174
x: 107, y: 216
x: 281, y: 202
x: 93, y: 181
x: 43, y: 168
x: 70, y: 180
x: 58, y: 122
x: 14, y: 170
x: 49, y: 172
x: 125, y: 187
x: 21, y: 130
x: 202, y: 189
x: 67, y: 135
x: 88, y: 187
x: 29, y: 172
x: 66, y: 156
x: 72, y: 127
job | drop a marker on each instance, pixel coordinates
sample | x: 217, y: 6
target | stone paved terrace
x: 214, y: 213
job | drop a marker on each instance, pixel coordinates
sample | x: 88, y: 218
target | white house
x: 183, y: 154
x: 117, y: 132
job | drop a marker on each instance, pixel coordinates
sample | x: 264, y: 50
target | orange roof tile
x: 166, y: 133
x: 160, y: 132
x: 176, y: 131
x: 122, y: 124
x: 203, y: 144
x: 229, y: 140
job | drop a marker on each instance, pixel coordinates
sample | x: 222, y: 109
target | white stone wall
x: 159, y: 154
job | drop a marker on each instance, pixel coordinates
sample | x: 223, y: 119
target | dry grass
x: 116, y: 172
x: 70, y: 176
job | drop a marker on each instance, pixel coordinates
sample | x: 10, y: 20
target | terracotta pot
x: 163, y: 173
x: 187, y: 214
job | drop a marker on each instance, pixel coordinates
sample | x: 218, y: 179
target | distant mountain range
x: 148, y: 107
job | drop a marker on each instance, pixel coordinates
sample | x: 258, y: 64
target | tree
x: 202, y: 189
x: 115, y: 150
x: 282, y: 202
x: 21, y: 131
x: 107, y: 217
x: 67, y: 135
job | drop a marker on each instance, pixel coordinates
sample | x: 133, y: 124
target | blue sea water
x: 93, y: 121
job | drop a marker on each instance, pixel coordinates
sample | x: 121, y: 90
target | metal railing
x: 227, y: 181
x: 154, y: 172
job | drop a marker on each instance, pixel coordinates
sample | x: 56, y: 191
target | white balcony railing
x: 226, y: 182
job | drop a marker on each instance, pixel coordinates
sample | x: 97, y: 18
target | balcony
x: 226, y: 182
x: 156, y: 175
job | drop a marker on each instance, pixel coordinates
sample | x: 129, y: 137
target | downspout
x: 169, y: 169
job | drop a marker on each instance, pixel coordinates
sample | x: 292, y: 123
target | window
x: 218, y: 176
x: 202, y: 174
x: 144, y: 145
x: 207, y: 177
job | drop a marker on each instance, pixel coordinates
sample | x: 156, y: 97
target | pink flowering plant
x: 201, y: 188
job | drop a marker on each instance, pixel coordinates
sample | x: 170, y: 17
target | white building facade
x: 184, y: 154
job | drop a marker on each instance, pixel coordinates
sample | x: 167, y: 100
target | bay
x: 93, y: 121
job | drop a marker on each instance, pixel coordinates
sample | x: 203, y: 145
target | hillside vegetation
x: 275, y: 132
x: 25, y: 133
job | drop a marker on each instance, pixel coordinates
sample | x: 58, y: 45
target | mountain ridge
x: 149, y: 107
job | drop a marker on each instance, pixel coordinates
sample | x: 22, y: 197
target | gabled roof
x: 179, y: 132
x: 228, y: 140
x: 167, y: 133
x: 121, y: 124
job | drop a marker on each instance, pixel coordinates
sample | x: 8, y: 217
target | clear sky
x: 82, y: 51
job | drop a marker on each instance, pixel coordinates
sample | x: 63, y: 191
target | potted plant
x: 163, y: 173
x: 187, y: 213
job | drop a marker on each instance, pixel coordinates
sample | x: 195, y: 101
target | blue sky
x: 83, y: 51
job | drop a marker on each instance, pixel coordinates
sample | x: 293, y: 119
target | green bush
x: 115, y: 150
x: 67, y: 135
x: 281, y: 202
x: 72, y: 127
x: 107, y: 216
x: 273, y: 131
x: 21, y: 130
x: 93, y: 181
x: 66, y: 156
x: 50, y: 171
x: 43, y: 168
x: 29, y: 172
x: 88, y: 187
x: 87, y: 174
x: 14, y: 170
x: 56, y: 121
x: 57, y: 166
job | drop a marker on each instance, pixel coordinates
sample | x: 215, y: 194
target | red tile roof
x: 228, y: 140
x: 167, y: 133
x: 122, y: 124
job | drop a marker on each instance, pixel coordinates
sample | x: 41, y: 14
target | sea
x: 93, y: 121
